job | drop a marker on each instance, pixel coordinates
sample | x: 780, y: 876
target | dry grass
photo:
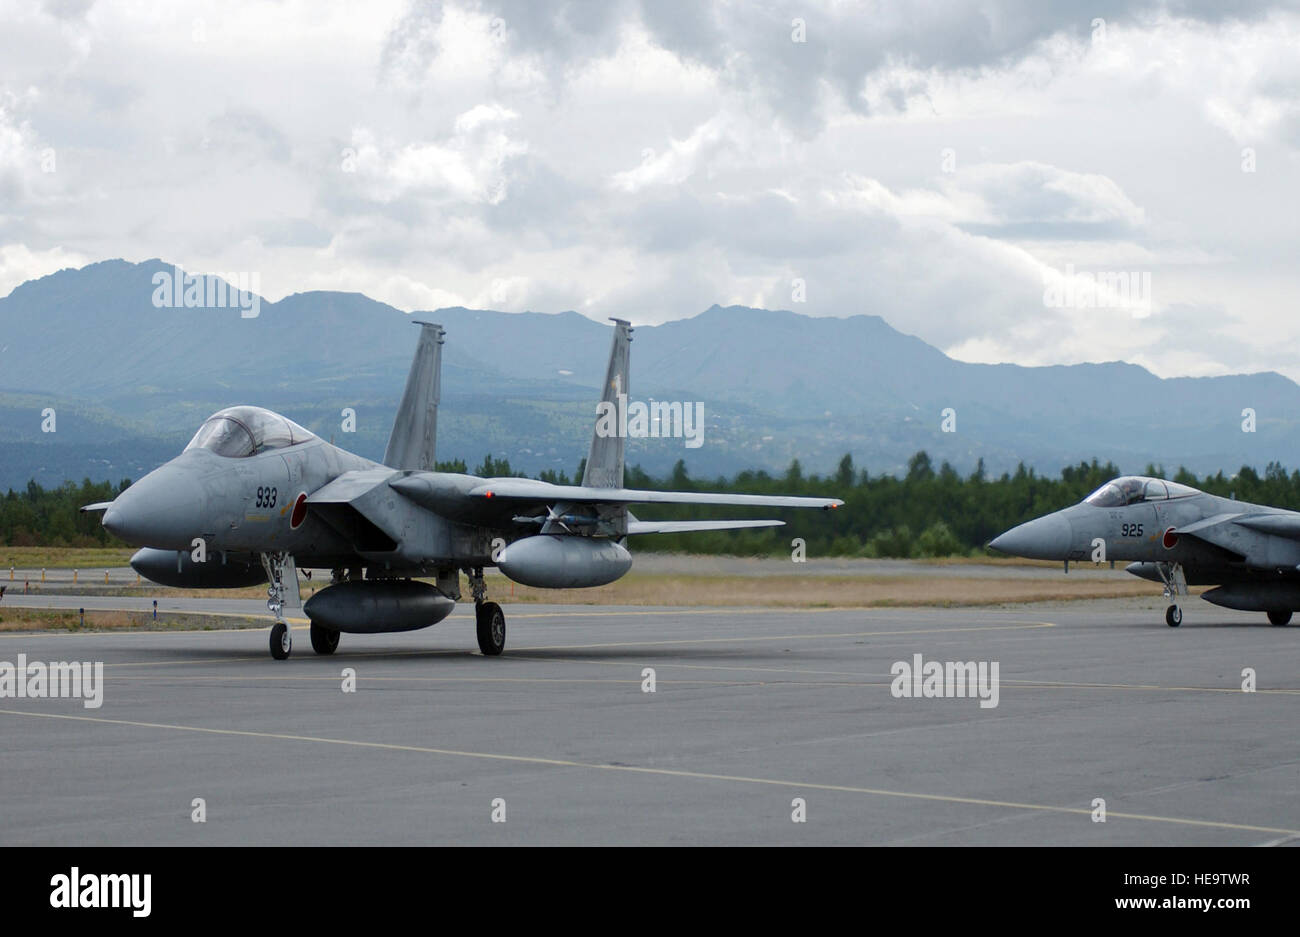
x: 87, y: 558
x: 31, y: 619
x: 775, y: 591
x: 822, y: 591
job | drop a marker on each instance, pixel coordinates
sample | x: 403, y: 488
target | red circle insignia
x: 299, y: 511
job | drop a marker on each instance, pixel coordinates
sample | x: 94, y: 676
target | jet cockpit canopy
x: 239, y: 432
x: 1130, y: 489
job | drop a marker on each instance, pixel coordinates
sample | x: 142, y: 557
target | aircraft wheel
x: 281, y: 641
x: 491, y: 628
x: 1279, y: 616
x: 323, y: 641
x: 1173, y: 616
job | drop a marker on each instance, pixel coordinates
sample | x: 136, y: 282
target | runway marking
x: 369, y: 678
x: 1281, y: 840
x: 735, y: 639
x: 1012, y: 682
x: 732, y: 639
x: 1006, y: 684
x: 664, y: 772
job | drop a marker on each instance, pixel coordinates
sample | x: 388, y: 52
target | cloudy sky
x: 967, y: 171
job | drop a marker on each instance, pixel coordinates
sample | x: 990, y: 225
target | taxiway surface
x: 751, y: 710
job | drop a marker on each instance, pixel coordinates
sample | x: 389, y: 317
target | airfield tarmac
x: 752, y: 709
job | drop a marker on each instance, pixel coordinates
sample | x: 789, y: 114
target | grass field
x: 119, y: 557
x: 823, y: 591
x: 32, y: 619
x: 910, y: 586
x: 65, y: 557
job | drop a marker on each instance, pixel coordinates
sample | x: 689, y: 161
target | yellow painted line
x: 665, y: 772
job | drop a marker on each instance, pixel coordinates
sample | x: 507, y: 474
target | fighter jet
x: 1178, y: 536
x: 255, y: 496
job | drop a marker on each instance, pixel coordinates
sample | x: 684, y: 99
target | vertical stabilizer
x: 412, y: 443
x: 605, y: 458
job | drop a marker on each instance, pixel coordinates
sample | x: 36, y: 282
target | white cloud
x: 649, y: 160
x: 19, y: 263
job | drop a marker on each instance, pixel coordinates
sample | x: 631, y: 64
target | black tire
x: 1279, y: 616
x: 323, y: 641
x: 1173, y: 616
x: 281, y: 641
x: 491, y: 623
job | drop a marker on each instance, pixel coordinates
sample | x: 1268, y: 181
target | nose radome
x: 1044, y: 538
x: 164, y: 510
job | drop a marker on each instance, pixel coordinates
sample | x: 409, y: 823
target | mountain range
x: 130, y: 382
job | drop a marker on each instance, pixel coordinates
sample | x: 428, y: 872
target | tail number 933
x: 266, y: 497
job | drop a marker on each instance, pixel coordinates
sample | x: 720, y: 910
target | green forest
x: 928, y: 512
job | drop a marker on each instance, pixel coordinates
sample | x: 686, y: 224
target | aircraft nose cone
x: 164, y: 510
x: 1044, y: 538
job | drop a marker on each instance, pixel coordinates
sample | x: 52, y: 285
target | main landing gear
x: 488, y: 617
x: 323, y: 641
x: 1175, y: 588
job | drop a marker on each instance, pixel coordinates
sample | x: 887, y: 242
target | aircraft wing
x: 1279, y: 525
x: 681, y: 527
x: 1218, y: 531
x: 1225, y: 532
x: 526, y: 489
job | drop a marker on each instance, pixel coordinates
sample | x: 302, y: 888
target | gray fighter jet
x: 254, y: 496
x: 1178, y: 536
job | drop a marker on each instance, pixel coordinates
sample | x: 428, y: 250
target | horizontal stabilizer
x: 526, y: 489
x: 681, y: 527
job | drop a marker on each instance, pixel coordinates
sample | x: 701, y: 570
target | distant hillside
x: 131, y: 382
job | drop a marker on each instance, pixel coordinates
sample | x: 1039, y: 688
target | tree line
x: 928, y: 511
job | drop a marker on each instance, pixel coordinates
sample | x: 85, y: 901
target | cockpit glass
x: 1132, y: 489
x: 239, y: 432
x: 1107, y: 496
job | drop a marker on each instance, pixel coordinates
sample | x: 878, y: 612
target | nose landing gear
x: 282, y: 577
x: 1175, y: 588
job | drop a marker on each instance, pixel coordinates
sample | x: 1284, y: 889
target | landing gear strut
x: 279, y: 568
x: 490, y: 621
x: 1175, y: 587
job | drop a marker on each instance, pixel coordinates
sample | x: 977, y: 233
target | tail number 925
x: 266, y: 497
x: 1131, y: 530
